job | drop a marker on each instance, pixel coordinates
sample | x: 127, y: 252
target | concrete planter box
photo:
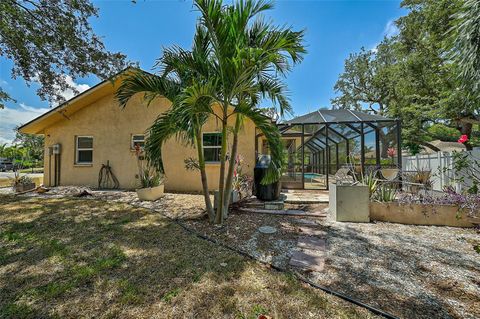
x: 24, y: 187
x: 418, y: 214
x: 349, y: 203
x: 150, y: 193
x: 234, y: 197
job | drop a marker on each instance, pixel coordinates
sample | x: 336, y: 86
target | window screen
x: 212, y: 144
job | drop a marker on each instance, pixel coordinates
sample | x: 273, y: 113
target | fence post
x: 440, y: 168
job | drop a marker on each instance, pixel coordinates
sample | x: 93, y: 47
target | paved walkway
x: 311, y: 246
x: 305, y: 196
x: 290, y: 212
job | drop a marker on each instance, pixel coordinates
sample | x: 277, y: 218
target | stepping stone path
x: 290, y: 212
x: 305, y: 221
x: 311, y: 251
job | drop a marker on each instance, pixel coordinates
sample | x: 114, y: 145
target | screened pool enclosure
x: 320, y: 143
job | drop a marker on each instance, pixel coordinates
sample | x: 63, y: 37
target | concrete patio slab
x: 305, y: 196
x: 308, y: 231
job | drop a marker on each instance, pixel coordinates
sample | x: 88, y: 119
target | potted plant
x: 151, y: 181
x: 22, y: 183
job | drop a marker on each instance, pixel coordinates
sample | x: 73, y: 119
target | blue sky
x: 334, y: 29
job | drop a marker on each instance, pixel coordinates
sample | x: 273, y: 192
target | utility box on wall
x: 57, y: 148
x: 349, y: 203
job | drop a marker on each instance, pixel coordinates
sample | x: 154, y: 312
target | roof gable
x: 78, y: 102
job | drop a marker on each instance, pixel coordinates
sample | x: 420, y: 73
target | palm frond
x: 152, y: 85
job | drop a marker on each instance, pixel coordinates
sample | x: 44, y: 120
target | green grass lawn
x: 73, y: 258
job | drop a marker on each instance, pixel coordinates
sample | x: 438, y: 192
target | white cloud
x: 69, y: 93
x: 391, y: 29
x: 13, y: 117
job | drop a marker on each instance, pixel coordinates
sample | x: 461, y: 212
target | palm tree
x: 184, y: 78
x: 235, y: 62
x: 251, y: 57
x: 3, y: 147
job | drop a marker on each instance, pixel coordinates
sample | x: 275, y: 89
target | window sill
x: 83, y: 165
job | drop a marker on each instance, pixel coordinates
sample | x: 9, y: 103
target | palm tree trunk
x: 231, y: 168
x: 203, y: 174
x: 219, y: 217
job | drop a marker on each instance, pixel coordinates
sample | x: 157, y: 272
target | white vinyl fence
x: 440, y: 165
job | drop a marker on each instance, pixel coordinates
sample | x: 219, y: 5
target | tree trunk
x: 430, y: 146
x: 465, y: 128
x: 203, y: 174
x: 231, y: 168
x: 219, y: 216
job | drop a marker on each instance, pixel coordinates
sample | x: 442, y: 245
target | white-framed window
x: 137, y: 139
x: 212, y: 145
x: 83, y: 149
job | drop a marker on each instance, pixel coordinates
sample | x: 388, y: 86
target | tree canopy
x: 414, y: 75
x: 47, y: 40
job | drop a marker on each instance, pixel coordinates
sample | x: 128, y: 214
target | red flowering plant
x: 463, y: 139
x: 391, y: 152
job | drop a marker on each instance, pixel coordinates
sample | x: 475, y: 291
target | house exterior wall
x: 112, y: 128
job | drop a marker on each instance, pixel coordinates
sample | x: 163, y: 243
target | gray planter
x: 349, y: 203
x: 234, y: 197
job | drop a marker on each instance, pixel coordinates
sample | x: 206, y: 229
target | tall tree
x: 252, y: 56
x: 465, y: 36
x: 33, y: 145
x: 411, y: 76
x: 464, y: 48
x: 181, y: 72
x: 244, y: 60
x: 49, y: 39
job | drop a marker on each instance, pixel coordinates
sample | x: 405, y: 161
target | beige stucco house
x: 91, y: 129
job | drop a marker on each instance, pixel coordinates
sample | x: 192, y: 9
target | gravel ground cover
x: 410, y: 271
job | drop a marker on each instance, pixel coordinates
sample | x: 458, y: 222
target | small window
x: 138, y: 139
x: 84, y: 147
x: 212, y: 145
